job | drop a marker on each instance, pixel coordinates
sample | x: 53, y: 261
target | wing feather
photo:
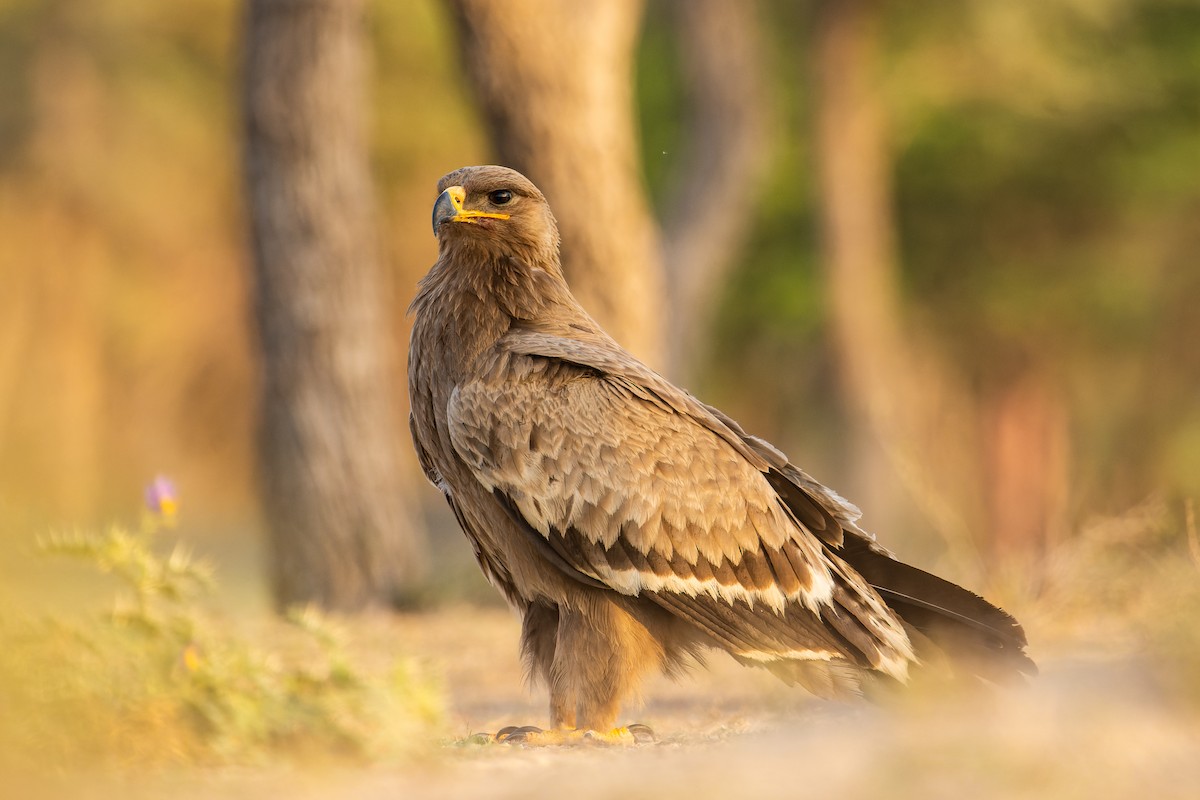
x: 629, y: 483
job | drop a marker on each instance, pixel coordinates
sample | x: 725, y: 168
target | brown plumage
x: 629, y: 523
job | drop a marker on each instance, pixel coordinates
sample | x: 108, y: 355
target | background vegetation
x: 1044, y: 188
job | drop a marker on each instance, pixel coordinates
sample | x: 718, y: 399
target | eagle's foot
x: 634, y: 734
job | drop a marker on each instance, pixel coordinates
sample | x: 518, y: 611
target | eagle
x: 632, y: 526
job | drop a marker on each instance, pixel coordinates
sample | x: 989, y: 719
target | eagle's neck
x: 471, y: 298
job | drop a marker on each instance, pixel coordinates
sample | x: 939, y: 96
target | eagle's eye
x: 500, y: 197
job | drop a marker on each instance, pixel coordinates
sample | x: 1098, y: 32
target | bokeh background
x: 1042, y: 160
x: 959, y: 279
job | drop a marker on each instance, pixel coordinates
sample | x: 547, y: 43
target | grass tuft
x: 160, y: 678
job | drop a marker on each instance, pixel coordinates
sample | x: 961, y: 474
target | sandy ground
x: 1089, y: 727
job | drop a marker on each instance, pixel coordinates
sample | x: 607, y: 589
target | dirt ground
x: 1091, y: 726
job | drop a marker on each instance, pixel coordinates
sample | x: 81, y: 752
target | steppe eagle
x: 629, y: 523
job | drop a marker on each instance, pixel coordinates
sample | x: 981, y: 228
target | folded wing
x: 628, y: 483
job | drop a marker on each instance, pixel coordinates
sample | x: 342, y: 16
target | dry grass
x: 157, y: 677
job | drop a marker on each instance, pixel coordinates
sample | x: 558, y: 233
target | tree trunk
x: 989, y: 470
x: 899, y: 387
x: 1026, y: 457
x: 554, y: 81
x: 711, y: 200
x: 340, y: 531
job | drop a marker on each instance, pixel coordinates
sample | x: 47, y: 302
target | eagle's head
x: 497, y: 210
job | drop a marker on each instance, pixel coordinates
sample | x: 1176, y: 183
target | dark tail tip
x: 976, y: 635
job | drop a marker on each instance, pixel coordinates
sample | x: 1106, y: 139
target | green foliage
x: 1047, y: 212
x: 660, y: 93
x: 1046, y: 202
x: 161, y: 679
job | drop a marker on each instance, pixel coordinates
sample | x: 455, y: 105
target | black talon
x: 518, y: 735
x: 642, y: 734
x: 504, y: 733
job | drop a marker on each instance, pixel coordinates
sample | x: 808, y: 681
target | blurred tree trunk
x: 990, y: 468
x: 1026, y: 454
x: 340, y: 531
x: 554, y: 79
x: 899, y: 387
x: 712, y: 197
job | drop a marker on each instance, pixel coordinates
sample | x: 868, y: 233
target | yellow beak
x: 449, y: 208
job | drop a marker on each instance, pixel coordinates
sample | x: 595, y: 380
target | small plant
x: 161, y: 678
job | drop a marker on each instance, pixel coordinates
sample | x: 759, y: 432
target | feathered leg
x: 601, y: 654
x: 539, y: 632
x: 591, y: 655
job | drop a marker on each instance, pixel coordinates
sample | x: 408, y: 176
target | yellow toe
x: 530, y: 736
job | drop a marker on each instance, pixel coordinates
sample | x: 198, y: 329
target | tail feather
x: 975, y: 634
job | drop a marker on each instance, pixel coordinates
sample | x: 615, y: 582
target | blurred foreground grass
x: 183, y: 701
x: 161, y: 678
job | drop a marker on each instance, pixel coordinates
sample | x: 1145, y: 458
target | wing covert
x: 628, y: 491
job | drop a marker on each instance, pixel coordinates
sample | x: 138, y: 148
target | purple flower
x: 160, y: 497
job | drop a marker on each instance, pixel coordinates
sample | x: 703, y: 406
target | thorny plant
x: 162, y: 678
